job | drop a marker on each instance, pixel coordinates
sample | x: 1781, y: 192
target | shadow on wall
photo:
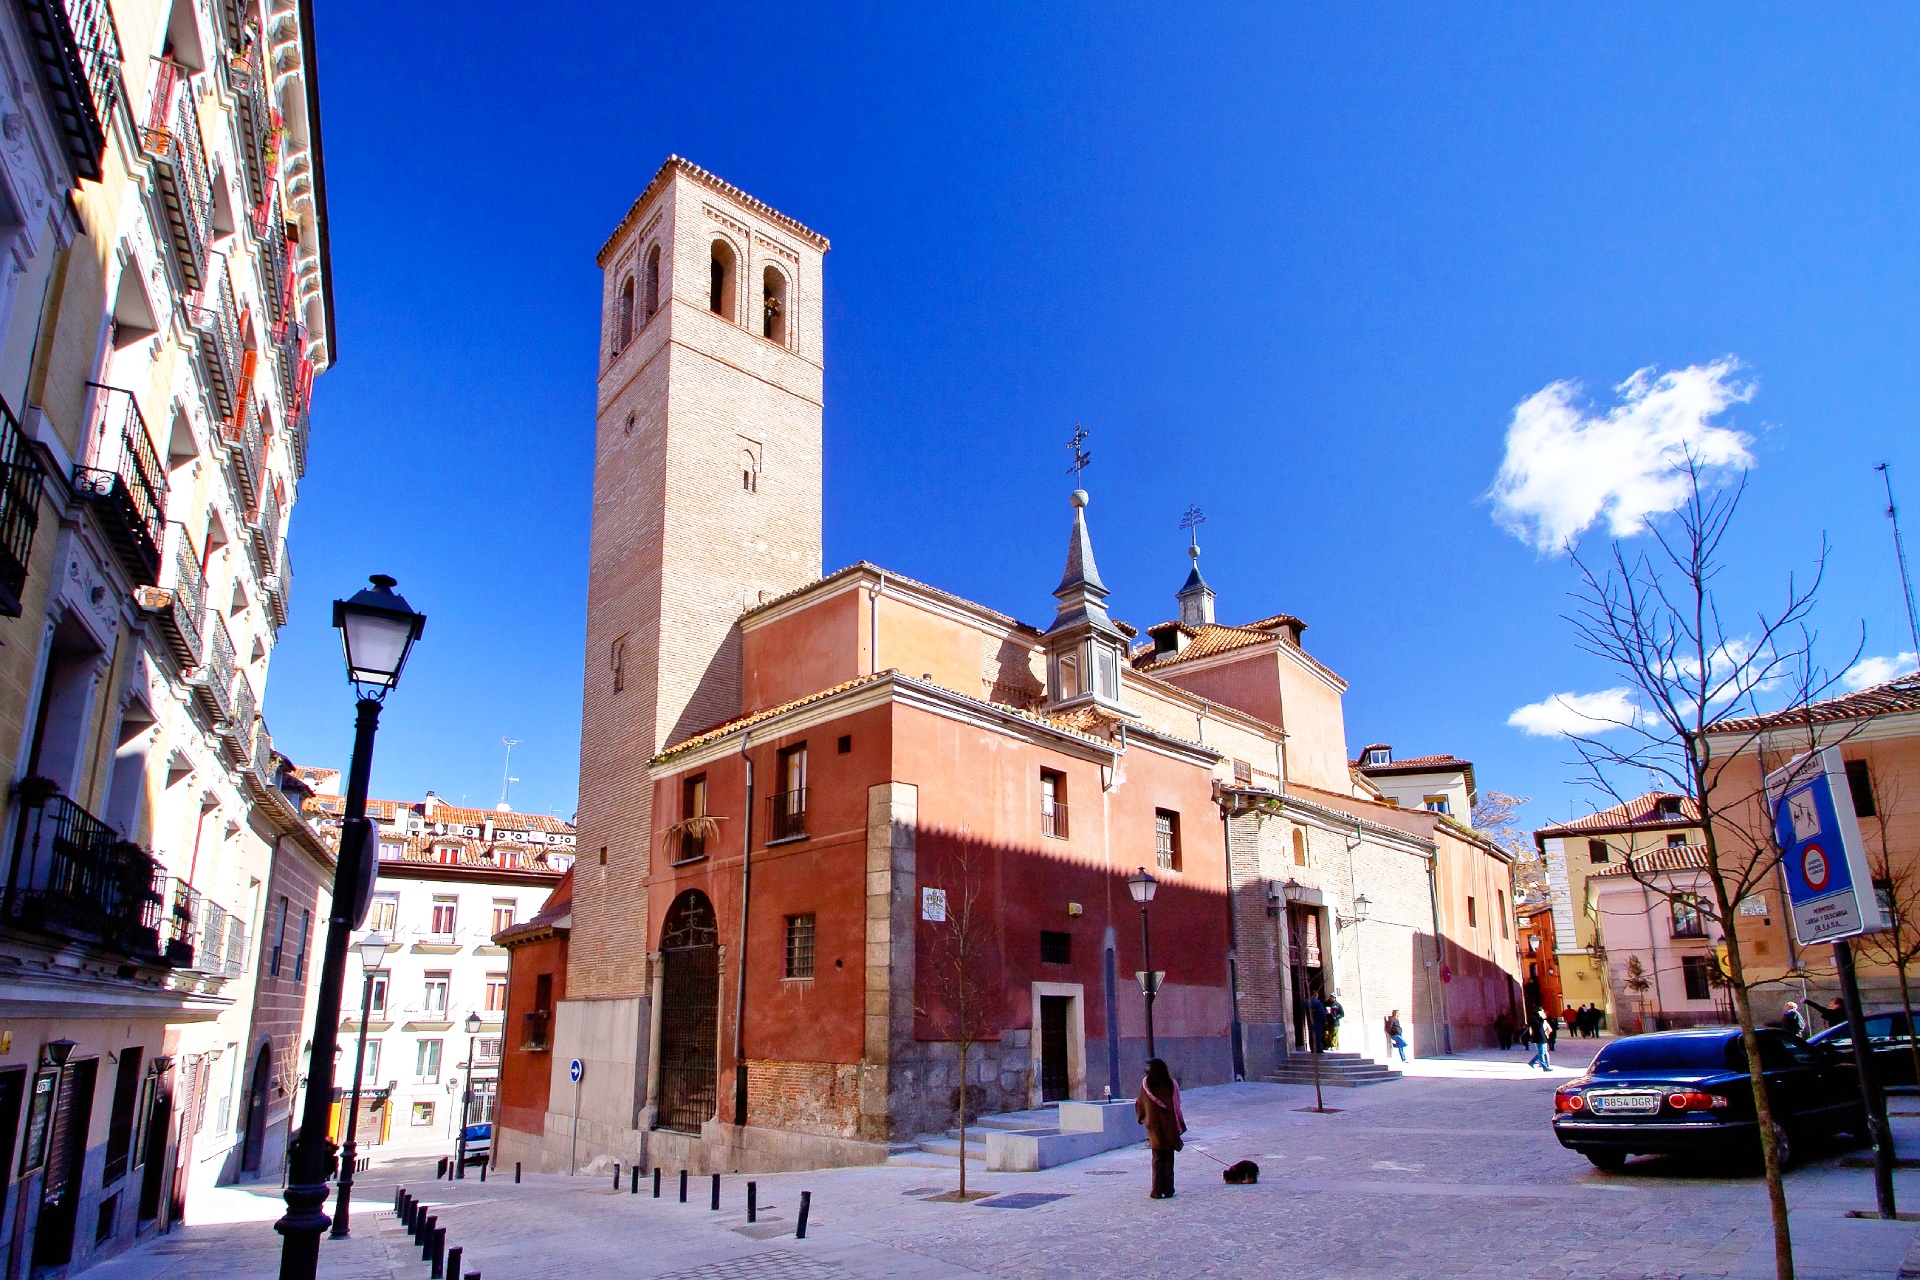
x: 1468, y: 993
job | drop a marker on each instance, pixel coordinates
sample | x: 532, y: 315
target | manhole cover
x: 922, y: 1191
x: 1022, y: 1200
x: 1098, y: 1173
x: 775, y: 1264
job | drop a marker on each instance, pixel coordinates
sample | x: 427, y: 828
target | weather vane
x: 1080, y: 456
x: 1190, y: 522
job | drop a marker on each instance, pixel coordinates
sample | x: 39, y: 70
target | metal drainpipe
x: 740, y: 984
x: 1359, y: 974
x: 1439, y: 952
x: 1233, y: 953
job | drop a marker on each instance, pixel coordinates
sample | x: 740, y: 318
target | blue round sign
x: 575, y: 1071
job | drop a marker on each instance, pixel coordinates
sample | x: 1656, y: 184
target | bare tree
x: 964, y: 982
x: 1495, y: 816
x: 1899, y: 886
x: 1654, y: 617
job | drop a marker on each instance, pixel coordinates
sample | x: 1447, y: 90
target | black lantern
x: 377, y: 630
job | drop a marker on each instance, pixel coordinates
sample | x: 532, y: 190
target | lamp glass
x: 373, y: 950
x: 58, y: 1051
x: 377, y: 629
x: 1142, y: 886
x: 473, y: 1024
x: 1362, y: 906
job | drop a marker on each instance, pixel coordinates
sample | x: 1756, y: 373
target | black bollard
x: 472, y: 1275
x: 516, y: 1173
x: 405, y: 1210
x: 633, y: 1179
x: 396, y: 1199
x: 453, y: 1261
x: 439, y: 1252
x: 753, y: 1202
x: 683, y: 1186
x: 656, y: 1182
x: 616, y: 1175
x: 716, y: 1192
x: 440, y: 1170
x: 483, y: 1172
x: 426, y: 1238
x: 800, y: 1228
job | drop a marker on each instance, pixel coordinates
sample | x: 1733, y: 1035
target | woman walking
x: 1158, y: 1108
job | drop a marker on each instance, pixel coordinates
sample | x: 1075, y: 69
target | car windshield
x: 1662, y: 1053
x: 1880, y: 1026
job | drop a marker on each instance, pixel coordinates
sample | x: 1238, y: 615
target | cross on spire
x: 1080, y: 456
x: 1191, y: 521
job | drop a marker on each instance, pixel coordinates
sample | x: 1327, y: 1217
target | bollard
x: 800, y: 1228
x: 683, y: 1186
x: 753, y: 1202
x: 439, y: 1251
x: 396, y: 1199
x: 440, y: 1170
x: 483, y: 1173
x: 453, y: 1261
x: 472, y: 1275
x: 656, y: 1182
x: 516, y: 1173
x: 616, y: 1175
x: 405, y: 1210
x: 426, y: 1238
x: 633, y: 1179
x: 716, y: 1192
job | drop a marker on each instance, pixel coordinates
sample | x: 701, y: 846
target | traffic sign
x: 1829, y: 883
x: 575, y: 1071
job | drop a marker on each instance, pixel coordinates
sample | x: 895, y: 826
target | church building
x: 833, y: 829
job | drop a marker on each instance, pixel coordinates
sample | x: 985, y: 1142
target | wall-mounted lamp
x: 54, y: 1053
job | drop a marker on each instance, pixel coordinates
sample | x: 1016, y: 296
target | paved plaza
x: 1449, y: 1172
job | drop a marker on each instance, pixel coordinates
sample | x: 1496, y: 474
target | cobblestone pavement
x: 1450, y: 1172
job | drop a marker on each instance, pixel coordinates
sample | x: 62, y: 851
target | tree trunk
x: 963, y: 1120
x: 1906, y: 1002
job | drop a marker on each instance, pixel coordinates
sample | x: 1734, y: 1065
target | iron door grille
x: 689, y: 1038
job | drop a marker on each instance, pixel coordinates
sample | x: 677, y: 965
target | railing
x: 172, y: 137
x: 279, y: 586
x: 214, y: 313
x: 126, y: 482
x: 238, y: 729
x: 272, y: 259
x: 253, y: 122
x: 98, y: 43
x: 209, y: 952
x: 220, y: 668
x: 1053, y: 819
x: 71, y: 88
x: 266, y: 533
x: 189, y: 595
x: 20, y: 482
x: 75, y: 878
x: 538, y: 1027
x: 290, y: 343
x: 788, y: 811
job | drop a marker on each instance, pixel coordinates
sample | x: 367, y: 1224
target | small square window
x: 423, y: 1113
x: 846, y: 743
x: 1597, y: 851
x: 1676, y: 839
x: 1860, y: 784
x: 1055, y: 948
x: 1473, y: 919
x: 800, y: 934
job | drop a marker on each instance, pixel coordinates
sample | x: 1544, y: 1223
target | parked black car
x: 1890, y: 1056
x: 1688, y: 1093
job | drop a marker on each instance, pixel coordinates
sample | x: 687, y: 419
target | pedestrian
x: 1835, y: 1013
x: 1584, y: 1016
x: 1394, y: 1036
x: 1599, y: 1019
x: 1791, y: 1022
x: 1537, y: 1029
x: 1158, y: 1109
x: 1334, y: 1013
x: 1317, y: 1022
x: 1553, y: 1031
x: 1503, y: 1028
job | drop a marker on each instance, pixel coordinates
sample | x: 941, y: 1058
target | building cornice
x: 675, y: 165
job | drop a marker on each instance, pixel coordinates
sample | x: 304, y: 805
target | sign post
x: 1831, y: 894
x: 576, y: 1072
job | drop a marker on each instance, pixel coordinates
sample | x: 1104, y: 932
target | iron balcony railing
x: 788, y: 814
x: 179, y: 607
x: 216, y: 319
x: 73, y: 877
x: 246, y: 455
x: 172, y: 138
x: 265, y: 531
x: 126, y: 484
x: 76, y: 77
x: 290, y: 344
x: 253, y: 122
x: 20, y: 483
x: 1053, y: 819
x: 201, y: 935
x: 213, y: 680
x: 272, y: 260
x: 237, y: 731
x: 279, y: 586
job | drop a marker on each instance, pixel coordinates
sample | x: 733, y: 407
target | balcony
x: 79, y: 55
x: 290, y: 345
x: 20, y: 481
x: 1053, y: 819
x: 270, y: 227
x: 212, y: 680
x: 279, y: 587
x: 126, y: 486
x: 74, y: 879
x: 246, y: 452
x: 253, y: 121
x: 215, y: 319
x: 171, y: 139
x: 179, y: 608
x: 788, y: 815
x: 264, y: 534
x: 236, y: 732
x: 203, y: 936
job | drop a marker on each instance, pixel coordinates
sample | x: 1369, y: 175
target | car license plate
x: 1625, y: 1104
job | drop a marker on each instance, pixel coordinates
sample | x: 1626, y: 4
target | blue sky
x: 1296, y: 266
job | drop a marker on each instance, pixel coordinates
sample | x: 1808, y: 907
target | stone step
x: 1332, y: 1079
x: 943, y: 1146
x: 917, y: 1159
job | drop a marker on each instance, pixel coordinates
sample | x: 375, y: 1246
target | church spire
x: 1081, y: 594
x: 1085, y: 650
x: 1196, y: 597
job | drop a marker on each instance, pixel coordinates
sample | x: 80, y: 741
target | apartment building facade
x: 163, y: 311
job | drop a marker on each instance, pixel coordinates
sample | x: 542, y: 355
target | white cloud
x: 1871, y: 671
x: 1568, y: 467
x: 1582, y: 713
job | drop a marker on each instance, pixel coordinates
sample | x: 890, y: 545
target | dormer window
x: 1067, y: 678
x: 1380, y: 755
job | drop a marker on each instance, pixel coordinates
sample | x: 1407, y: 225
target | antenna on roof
x: 1900, y: 554
x: 506, y: 776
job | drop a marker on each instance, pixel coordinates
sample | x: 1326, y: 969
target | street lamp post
x: 1142, y: 887
x: 377, y: 631
x: 373, y: 955
x: 1362, y: 908
x: 466, y: 1099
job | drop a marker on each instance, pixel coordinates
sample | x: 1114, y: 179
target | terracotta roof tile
x: 1685, y: 857
x: 1641, y: 811
x: 1902, y: 694
x: 1207, y: 640
x: 1414, y: 764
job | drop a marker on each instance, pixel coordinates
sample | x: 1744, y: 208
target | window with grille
x: 445, y: 913
x: 1055, y: 948
x: 1693, y: 972
x: 489, y: 1049
x: 1166, y: 839
x: 496, y: 992
x: 1053, y: 804
x: 800, y: 932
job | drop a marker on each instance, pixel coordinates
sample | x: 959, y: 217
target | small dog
x: 1243, y: 1174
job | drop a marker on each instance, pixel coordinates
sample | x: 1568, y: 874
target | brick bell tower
x: 706, y: 501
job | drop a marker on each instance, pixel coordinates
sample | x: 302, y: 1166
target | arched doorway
x: 257, y: 1098
x: 689, y: 1014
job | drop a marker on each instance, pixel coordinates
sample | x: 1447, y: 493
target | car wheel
x: 1607, y: 1160
x: 1782, y: 1146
